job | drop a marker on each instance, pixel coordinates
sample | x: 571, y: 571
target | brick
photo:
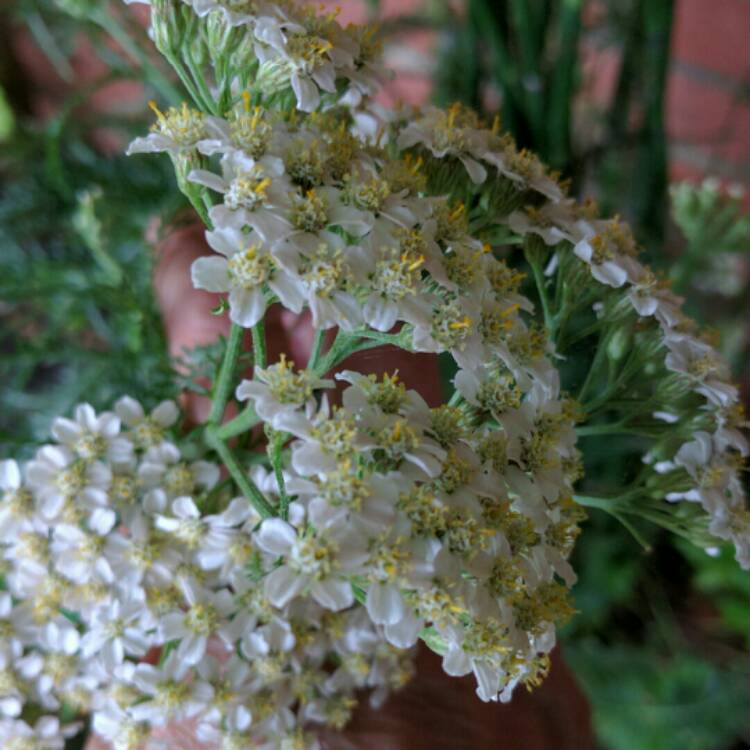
x: 356, y: 11
x: 714, y: 34
x: 736, y: 146
x: 696, y: 112
x: 600, y: 69
x: 393, y: 8
x: 408, y: 88
x: 352, y: 11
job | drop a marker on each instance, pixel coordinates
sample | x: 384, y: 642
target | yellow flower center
x: 250, y: 269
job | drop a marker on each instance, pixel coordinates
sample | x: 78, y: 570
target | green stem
x: 196, y: 194
x: 200, y: 82
x: 47, y: 44
x: 455, y: 399
x: 344, y: 345
x: 603, y: 503
x: 347, y: 344
x: 226, y: 374
x: 187, y: 82
x: 565, y: 344
x: 611, y: 506
x: 242, y: 480
x: 631, y: 366
x: 539, y: 280
x: 276, y: 446
x: 259, y: 345
x: 521, y: 15
x: 588, y: 430
x: 562, y: 85
x: 317, y: 349
x: 633, y: 531
x: 482, y: 16
x: 594, y: 368
x: 244, y: 421
x: 652, y: 168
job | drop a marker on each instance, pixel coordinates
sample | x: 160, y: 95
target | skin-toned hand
x: 434, y: 711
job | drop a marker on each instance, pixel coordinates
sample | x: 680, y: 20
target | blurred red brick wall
x: 708, y: 98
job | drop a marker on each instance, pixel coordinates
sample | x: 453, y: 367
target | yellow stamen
x: 415, y: 264
x: 155, y: 109
x: 465, y: 323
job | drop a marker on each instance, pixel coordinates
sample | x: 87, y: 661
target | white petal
x: 207, y: 179
x: 129, y: 410
x: 609, y: 273
x: 241, y: 718
x: 282, y: 585
x: 306, y: 92
x: 65, y: 430
x: 325, y: 77
x: 380, y: 313
x: 192, y: 648
x: 206, y: 473
x: 456, y: 663
x: 152, y: 143
x: 10, y: 475
x: 350, y: 311
x: 488, y: 681
x: 102, y: 520
x: 584, y: 251
x: 404, y: 634
x: 477, y: 172
x: 109, y: 424
x: 226, y: 240
x: 166, y: 413
x: 276, y: 536
x: 172, y: 626
x: 113, y: 654
x: 246, y: 306
x: 288, y: 291
x: 385, y: 605
x: 467, y: 384
x: 250, y: 389
x: 269, y: 226
x: 11, y: 706
x: 184, y: 507
x: 86, y: 416
x: 333, y: 594
x: 210, y: 273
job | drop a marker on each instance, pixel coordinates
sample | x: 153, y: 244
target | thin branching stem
x: 226, y: 375
x: 248, y: 488
x: 259, y: 345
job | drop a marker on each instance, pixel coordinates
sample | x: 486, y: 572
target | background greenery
x: 661, y: 640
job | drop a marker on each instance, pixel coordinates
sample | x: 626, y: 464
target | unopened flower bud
x: 619, y: 343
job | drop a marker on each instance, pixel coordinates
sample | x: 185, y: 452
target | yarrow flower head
x: 329, y: 519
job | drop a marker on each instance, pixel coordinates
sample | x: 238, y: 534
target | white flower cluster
x: 438, y: 523
x: 457, y: 134
x: 443, y: 522
x: 298, y: 49
x: 472, y: 500
x: 715, y: 456
x: 116, y: 548
x: 713, y: 459
x: 389, y: 520
x: 312, y: 217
